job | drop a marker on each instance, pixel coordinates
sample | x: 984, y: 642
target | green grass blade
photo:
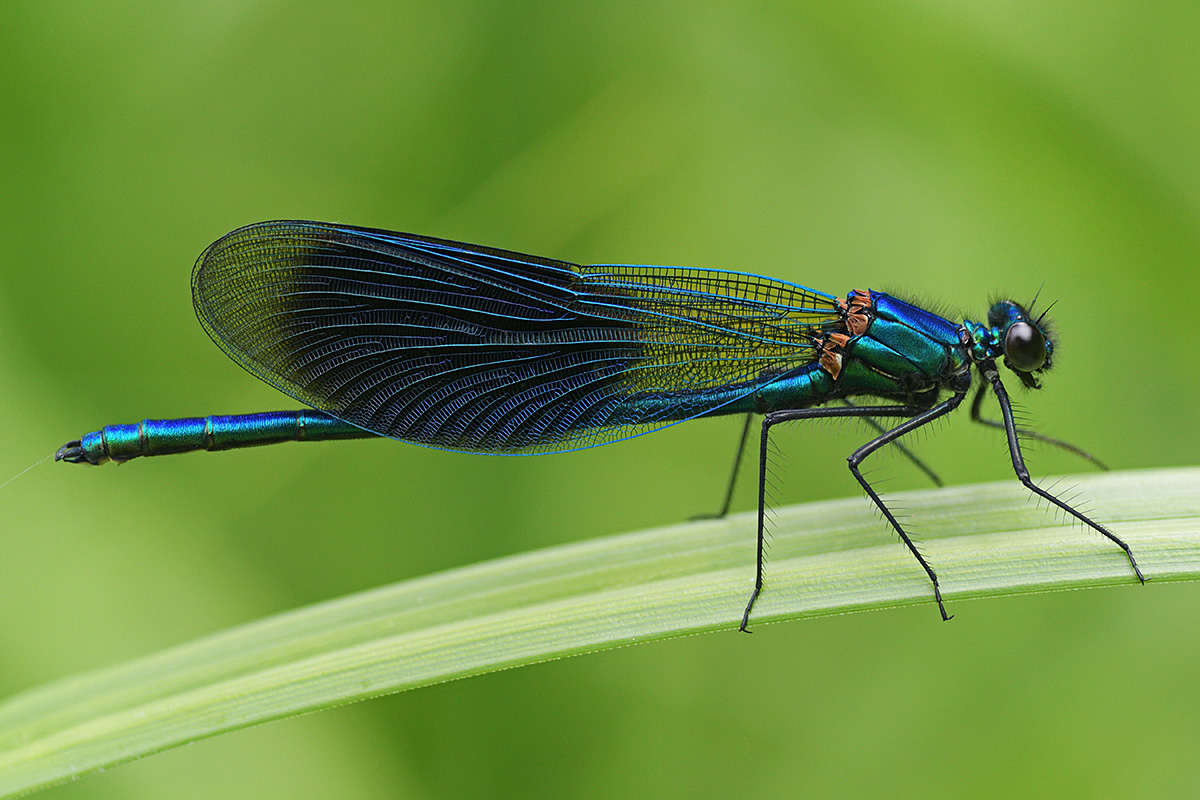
x: 826, y: 558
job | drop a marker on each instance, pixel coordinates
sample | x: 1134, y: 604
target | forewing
x: 469, y: 348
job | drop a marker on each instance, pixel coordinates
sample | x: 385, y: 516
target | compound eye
x: 1025, y: 347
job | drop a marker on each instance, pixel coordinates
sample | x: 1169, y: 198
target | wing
x: 468, y: 348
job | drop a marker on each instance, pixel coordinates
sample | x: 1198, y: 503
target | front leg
x: 988, y: 368
x: 977, y: 403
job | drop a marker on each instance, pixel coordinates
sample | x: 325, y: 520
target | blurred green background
x: 947, y: 150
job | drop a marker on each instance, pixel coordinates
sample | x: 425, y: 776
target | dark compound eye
x: 1025, y: 347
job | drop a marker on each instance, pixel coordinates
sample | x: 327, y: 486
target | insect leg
x: 856, y: 458
x: 909, y: 454
x: 988, y: 368
x: 737, y: 463
x: 1070, y: 448
x: 788, y: 415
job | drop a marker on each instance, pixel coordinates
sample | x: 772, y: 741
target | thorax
x: 886, y: 347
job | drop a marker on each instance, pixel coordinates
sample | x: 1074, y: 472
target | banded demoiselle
x: 475, y: 349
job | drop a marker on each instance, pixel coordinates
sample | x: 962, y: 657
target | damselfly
x: 480, y: 350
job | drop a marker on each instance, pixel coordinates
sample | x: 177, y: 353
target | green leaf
x: 826, y: 558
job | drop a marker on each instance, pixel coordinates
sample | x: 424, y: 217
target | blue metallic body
x: 906, y: 354
x: 469, y: 348
x: 168, y: 436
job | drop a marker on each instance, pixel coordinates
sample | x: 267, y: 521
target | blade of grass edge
x: 826, y: 558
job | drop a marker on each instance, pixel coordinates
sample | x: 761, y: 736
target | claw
x: 71, y: 452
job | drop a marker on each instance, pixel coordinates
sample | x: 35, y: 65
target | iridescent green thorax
x: 882, y: 347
